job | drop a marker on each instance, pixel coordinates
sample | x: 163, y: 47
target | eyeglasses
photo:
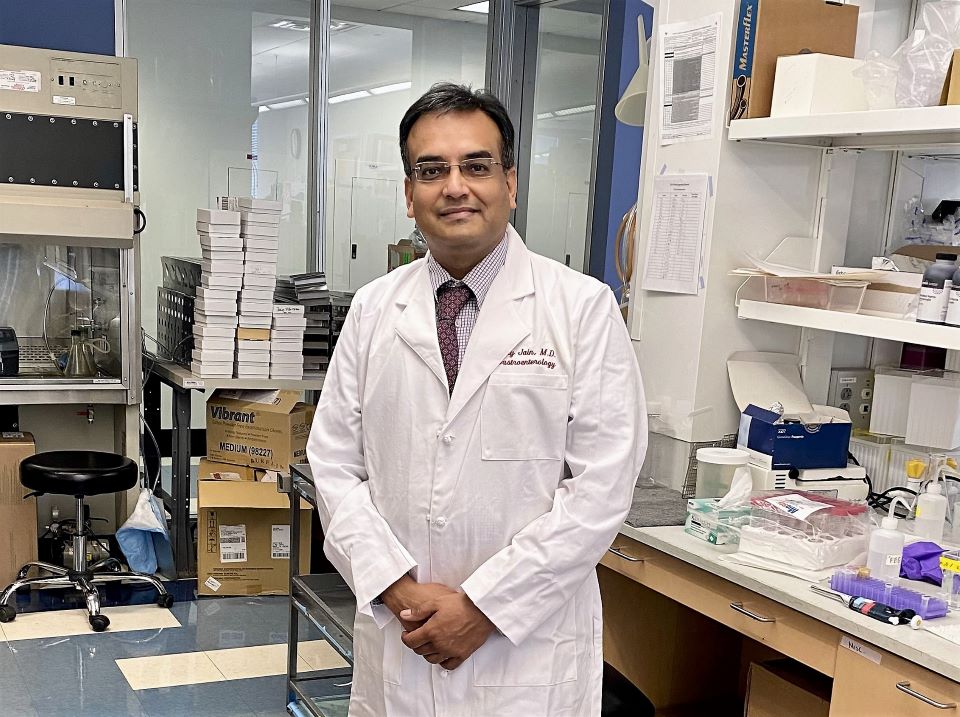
x: 479, y: 168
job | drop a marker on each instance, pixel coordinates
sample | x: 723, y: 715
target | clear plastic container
x: 804, y: 530
x: 816, y: 293
x: 716, y: 468
x: 950, y: 565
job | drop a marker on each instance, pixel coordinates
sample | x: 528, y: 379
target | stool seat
x: 78, y: 473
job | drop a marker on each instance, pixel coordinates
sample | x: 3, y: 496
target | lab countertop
x: 919, y: 646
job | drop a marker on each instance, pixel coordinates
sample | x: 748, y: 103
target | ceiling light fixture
x: 287, y: 24
x: 479, y: 7
x: 545, y: 115
x: 396, y: 87
x: 583, y: 109
x: 304, y: 26
x: 285, y: 105
x: 348, y: 96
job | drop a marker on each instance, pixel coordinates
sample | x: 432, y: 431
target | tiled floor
x: 77, y: 673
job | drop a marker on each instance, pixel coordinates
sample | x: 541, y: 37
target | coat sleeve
x: 358, y: 540
x: 548, y: 560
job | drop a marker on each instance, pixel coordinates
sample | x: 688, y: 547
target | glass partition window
x: 223, y: 110
x: 562, y: 137
x: 380, y: 62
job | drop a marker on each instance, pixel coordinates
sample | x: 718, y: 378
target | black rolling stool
x: 79, y: 473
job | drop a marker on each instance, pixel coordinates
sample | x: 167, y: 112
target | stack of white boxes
x: 286, y: 341
x: 260, y: 232
x: 215, y: 307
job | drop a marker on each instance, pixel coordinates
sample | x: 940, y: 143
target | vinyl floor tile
x: 188, y: 668
x: 62, y: 623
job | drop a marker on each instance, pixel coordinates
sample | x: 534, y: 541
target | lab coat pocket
x: 547, y: 657
x: 524, y: 417
x: 393, y: 649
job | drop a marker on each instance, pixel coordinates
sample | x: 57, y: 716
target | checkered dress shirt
x: 479, y: 280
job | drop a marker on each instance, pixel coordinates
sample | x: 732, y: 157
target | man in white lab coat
x: 476, y: 446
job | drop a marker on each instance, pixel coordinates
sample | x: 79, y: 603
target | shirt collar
x: 479, y: 278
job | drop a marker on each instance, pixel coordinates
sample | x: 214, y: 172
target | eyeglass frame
x: 415, y: 170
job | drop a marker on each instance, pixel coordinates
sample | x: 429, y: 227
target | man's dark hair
x: 446, y: 97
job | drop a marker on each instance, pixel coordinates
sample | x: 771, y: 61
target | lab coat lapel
x: 418, y: 323
x: 499, y: 328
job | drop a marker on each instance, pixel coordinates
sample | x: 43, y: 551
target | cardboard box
x: 951, y: 85
x: 243, y: 538
x: 768, y: 29
x: 805, y: 436
x: 18, y: 517
x: 817, y: 84
x: 262, y: 429
x: 211, y: 470
x: 785, y: 688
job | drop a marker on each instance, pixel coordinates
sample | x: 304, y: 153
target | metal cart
x: 327, y: 602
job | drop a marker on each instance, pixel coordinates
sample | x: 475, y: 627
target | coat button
x: 448, y: 439
x: 440, y: 522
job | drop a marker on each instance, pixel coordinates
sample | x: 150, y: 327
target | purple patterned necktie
x: 450, y: 300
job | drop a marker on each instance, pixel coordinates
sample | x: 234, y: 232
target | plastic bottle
x: 931, y: 513
x: 886, y: 549
x: 935, y: 290
x: 953, y: 303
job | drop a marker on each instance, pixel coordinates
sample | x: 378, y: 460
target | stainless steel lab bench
x: 327, y: 602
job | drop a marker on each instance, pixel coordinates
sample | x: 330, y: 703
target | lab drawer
x: 785, y: 630
x: 892, y: 688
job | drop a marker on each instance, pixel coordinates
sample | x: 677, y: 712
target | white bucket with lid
x: 716, y: 468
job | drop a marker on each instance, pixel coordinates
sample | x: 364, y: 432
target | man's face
x: 459, y: 216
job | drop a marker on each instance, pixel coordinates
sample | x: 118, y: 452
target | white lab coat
x: 510, y: 490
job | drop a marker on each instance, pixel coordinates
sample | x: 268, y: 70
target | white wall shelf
x: 858, y: 324
x: 913, y: 128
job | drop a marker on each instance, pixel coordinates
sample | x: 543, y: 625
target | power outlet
x: 852, y: 390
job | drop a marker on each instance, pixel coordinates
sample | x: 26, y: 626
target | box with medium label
x: 18, y: 517
x: 243, y: 538
x: 263, y: 429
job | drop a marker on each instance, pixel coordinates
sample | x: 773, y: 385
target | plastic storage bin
x: 804, y: 530
x: 891, y: 395
x: 933, y: 418
x: 900, y: 454
x: 815, y: 293
x: 874, y: 453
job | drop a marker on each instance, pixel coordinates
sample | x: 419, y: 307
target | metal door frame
x: 512, y: 44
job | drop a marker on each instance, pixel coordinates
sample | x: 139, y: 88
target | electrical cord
x: 156, y: 447
x: 881, y: 501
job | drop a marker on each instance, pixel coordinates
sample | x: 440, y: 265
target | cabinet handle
x: 629, y: 558
x: 738, y: 606
x: 905, y: 687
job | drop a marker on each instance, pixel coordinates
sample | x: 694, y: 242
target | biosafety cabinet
x: 812, y: 192
x: 68, y: 227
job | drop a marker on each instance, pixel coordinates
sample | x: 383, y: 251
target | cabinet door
x: 892, y: 688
